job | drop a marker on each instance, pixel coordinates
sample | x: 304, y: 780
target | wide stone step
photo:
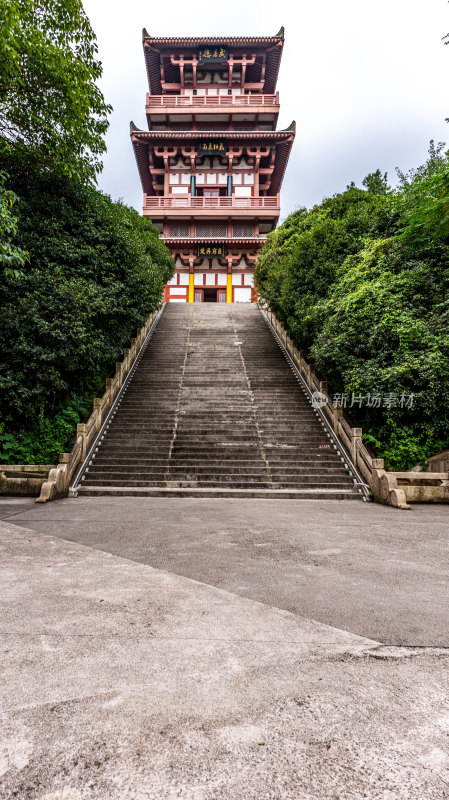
x: 240, y: 479
x: 223, y: 466
x: 268, y: 494
x: 306, y: 466
x: 228, y: 453
x: 196, y: 421
x: 232, y: 483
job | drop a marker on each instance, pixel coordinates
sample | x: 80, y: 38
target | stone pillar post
x: 110, y: 389
x: 97, y: 408
x: 81, y: 430
x: 356, y: 436
x: 64, y: 458
x: 126, y: 361
x: 338, y: 413
x: 309, y: 375
x: 118, y: 370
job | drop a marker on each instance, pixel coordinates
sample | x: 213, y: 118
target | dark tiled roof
x: 143, y: 140
x: 153, y: 47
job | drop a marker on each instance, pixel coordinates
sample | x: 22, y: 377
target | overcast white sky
x: 366, y: 82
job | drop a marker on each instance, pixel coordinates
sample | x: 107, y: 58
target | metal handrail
x: 343, y: 451
x: 83, y: 468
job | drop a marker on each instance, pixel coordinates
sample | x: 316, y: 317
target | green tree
x: 362, y: 283
x: 11, y: 256
x: 51, y: 108
x: 96, y: 270
x: 383, y: 334
x: 301, y: 259
x: 376, y: 183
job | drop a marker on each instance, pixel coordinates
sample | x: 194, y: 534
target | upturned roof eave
x: 153, y: 46
x: 195, y: 41
x: 284, y: 141
x: 189, y: 134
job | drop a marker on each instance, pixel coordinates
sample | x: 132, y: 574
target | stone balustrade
x: 396, y: 489
x: 60, y: 476
x: 21, y: 480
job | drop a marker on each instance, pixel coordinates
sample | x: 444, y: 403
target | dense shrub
x: 96, y: 269
x: 362, y: 283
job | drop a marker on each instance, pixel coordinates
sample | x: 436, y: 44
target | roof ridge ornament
x: 133, y: 128
x: 280, y: 34
x: 145, y: 34
x: 292, y: 127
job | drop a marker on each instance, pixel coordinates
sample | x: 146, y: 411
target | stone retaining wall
x: 21, y: 480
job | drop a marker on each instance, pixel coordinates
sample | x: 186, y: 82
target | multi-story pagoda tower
x: 212, y: 161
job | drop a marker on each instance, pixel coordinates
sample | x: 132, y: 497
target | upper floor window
x: 179, y: 231
x: 241, y: 231
x: 210, y: 231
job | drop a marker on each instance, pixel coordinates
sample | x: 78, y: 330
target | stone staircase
x: 214, y: 409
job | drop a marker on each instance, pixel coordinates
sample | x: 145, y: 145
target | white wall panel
x: 210, y: 278
x: 248, y: 280
x: 242, y: 295
x: 184, y: 278
x: 198, y: 279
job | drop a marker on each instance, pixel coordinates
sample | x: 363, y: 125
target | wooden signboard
x: 210, y: 250
x: 212, y: 54
x: 211, y: 147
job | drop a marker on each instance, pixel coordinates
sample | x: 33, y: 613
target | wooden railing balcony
x: 180, y: 101
x: 220, y: 203
x: 252, y: 239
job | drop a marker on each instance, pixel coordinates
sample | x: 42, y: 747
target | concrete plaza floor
x: 206, y: 649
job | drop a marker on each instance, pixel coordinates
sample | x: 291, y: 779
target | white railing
x: 211, y: 100
x: 186, y: 201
